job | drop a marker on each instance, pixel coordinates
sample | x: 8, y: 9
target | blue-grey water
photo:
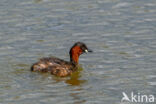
x: 122, y: 34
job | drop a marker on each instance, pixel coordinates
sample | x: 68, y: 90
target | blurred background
x: 122, y: 34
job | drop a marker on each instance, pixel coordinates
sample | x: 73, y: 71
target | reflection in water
x: 75, y: 81
x: 75, y: 78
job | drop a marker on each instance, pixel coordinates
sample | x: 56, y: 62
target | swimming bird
x: 59, y: 67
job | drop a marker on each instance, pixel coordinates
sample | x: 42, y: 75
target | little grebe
x: 58, y: 66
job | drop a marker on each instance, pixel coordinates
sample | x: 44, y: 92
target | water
x: 122, y: 34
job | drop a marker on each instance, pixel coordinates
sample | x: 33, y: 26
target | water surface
x: 122, y: 34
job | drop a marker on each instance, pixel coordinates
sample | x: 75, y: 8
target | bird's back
x: 54, y: 65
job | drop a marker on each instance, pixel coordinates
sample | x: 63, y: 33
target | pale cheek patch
x: 86, y: 51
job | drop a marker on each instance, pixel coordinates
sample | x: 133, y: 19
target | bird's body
x: 54, y: 66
